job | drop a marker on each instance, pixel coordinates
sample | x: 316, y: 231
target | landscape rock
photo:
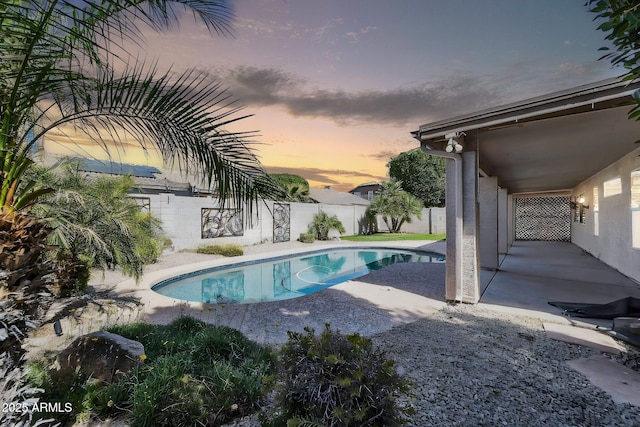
x: 100, y: 355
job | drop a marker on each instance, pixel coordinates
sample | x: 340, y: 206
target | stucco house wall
x: 613, y: 244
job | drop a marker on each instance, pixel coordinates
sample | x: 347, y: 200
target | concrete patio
x: 534, y: 273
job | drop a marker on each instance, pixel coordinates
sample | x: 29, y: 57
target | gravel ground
x: 475, y: 367
x: 472, y: 366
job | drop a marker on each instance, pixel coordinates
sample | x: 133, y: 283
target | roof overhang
x: 547, y: 143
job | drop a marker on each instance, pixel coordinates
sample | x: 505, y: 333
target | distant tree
x: 395, y: 205
x: 621, y: 22
x: 322, y: 223
x: 421, y: 175
x: 294, y: 187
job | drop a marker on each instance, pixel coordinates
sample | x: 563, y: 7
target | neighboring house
x: 147, y: 179
x: 366, y: 191
x: 563, y: 166
x: 330, y: 196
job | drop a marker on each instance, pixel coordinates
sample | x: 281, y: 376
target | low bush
x: 224, y: 250
x: 193, y: 374
x: 336, y: 380
x: 322, y: 224
x: 307, y: 238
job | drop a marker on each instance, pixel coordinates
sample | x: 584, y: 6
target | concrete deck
x: 534, y: 273
x: 530, y: 275
x: 395, y: 295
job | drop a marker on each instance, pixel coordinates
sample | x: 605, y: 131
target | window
x: 596, y: 212
x: 635, y: 209
x: 370, y: 195
x: 612, y: 187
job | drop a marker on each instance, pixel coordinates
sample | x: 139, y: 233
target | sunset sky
x: 336, y: 86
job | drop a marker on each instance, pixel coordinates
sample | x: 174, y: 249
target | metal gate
x: 543, y: 218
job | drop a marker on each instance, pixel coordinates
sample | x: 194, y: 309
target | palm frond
x: 65, y: 52
x: 183, y: 115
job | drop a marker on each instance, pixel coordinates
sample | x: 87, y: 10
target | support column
x: 488, y: 207
x: 511, y: 230
x: 503, y: 229
x: 462, y: 282
x: 470, y: 259
x: 453, y: 203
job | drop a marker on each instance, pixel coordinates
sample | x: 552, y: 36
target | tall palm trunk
x: 23, y: 296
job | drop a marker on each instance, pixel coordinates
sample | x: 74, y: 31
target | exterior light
x: 579, y: 203
x: 454, y: 142
x: 449, y: 148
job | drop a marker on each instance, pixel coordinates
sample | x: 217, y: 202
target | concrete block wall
x: 182, y: 216
x: 432, y: 221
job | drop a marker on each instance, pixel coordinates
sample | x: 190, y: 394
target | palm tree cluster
x: 73, y: 63
x: 395, y: 205
x: 94, y: 223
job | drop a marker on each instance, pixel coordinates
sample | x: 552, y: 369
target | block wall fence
x: 193, y: 221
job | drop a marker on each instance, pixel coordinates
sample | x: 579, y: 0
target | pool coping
x: 250, y: 260
x: 161, y: 309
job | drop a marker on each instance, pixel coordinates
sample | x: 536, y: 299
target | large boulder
x: 100, y: 355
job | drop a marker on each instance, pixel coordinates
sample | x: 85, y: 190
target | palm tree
x: 322, y: 224
x: 94, y: 223
x: 395, y: 205
x: 59, y: 66
x: 66, y: 62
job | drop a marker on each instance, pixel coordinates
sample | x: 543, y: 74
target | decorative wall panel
x: 281, y: 222
x: 221, y: 223
x: 543, y: 218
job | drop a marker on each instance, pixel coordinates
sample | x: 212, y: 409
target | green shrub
x: 307, y: 238
x: 322, y: 224
x: 194, y: 374
x: 224, y: 250
x: 336, y: 380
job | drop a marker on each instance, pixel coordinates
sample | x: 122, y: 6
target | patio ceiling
x: 550, y: 143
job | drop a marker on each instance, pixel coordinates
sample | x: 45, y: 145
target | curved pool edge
x: 154, y: 301
x: 343, y: 305
x: 242, y: 261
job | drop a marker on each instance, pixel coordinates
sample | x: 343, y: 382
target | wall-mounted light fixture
x: 581, y: 200
x: 578, y: 202
x: 455, y: 142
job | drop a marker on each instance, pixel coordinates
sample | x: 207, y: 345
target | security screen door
x: 545, y: 218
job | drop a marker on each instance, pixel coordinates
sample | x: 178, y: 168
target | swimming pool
x: 286, y: 277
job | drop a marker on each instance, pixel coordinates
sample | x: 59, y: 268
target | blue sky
x: 335, y: 86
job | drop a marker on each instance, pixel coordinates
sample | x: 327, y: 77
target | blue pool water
x: 284, y: 277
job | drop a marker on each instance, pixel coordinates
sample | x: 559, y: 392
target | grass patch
x: 388, y: 237
x: 194, y: 374
x: 224, y: 250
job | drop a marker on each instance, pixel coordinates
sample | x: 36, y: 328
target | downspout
x: 457, y: 164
